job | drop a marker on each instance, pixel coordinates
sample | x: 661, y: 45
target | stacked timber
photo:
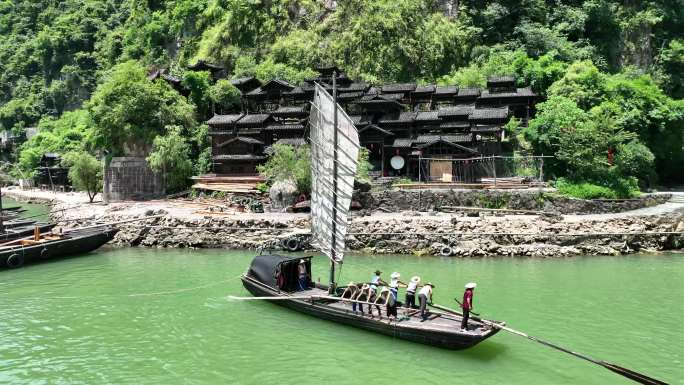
x: 228, y: 183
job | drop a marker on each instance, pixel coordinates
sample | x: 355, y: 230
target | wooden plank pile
x: 228, y: 183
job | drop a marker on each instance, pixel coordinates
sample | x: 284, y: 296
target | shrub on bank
x: 619, y: 188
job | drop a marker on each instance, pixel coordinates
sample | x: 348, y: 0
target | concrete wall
x: 130, y: 178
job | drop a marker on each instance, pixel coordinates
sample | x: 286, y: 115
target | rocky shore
x: 203, y: 224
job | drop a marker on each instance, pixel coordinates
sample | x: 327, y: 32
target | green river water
x: 143, y: 316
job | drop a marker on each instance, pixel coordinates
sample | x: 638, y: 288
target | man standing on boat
x: 303, y: 275
x: 411, y: 292
x: 372, y: 295
x: 392, y: 301
x: 467, y: 304
x: 425, y: 297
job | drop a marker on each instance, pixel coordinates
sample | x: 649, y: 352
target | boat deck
x: 410, y: 318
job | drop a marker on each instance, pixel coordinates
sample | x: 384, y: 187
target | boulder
x: 283, y: 194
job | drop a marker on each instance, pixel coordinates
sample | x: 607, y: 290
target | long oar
x: 632, y: 375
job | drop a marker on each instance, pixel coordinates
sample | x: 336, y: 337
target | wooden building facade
x: 405, y: 120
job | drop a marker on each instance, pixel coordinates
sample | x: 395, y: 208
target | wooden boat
x: 16, y: 232
x: 334, y: 160
x: 16, y: 253
x: 276, y: 276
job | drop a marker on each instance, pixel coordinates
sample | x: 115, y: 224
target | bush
x: 584, y: 190
x: 611, y: 188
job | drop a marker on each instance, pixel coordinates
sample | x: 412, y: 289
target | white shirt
x: 411, y: 287
x: 426, y: 291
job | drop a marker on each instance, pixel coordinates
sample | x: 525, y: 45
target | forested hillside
x: 610, y: 69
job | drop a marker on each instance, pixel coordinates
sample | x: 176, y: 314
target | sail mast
x: 331, y: 287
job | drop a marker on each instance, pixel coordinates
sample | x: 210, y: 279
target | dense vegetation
x: 610, y: 69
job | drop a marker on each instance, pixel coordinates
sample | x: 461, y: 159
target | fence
x: 486, y: 169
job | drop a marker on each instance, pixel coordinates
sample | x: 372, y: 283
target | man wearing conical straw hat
x: 411, y: 288
x: 467, y: 304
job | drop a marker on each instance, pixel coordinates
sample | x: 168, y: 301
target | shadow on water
x: 483, y: 352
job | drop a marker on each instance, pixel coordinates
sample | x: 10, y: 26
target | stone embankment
x: 546, y: 200
x: 213, y: 224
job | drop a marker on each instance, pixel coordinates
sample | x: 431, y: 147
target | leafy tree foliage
x: 289, y: 163
x: 85, y: 172
x: 612, y: 61
x: 170, y: 156
x: 129, y: 111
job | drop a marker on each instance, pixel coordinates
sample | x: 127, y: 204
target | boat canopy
x: 278, y: 271
x: 334, y: 159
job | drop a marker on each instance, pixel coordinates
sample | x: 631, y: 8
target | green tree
x: 85, y: 172
x: 225, y: 96
x: 170, y: 156
x: 287, y: 162
x: 129, y: 111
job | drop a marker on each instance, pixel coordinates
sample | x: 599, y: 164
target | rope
x: 143, y: 294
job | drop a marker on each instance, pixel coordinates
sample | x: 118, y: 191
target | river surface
x: 147, y: 316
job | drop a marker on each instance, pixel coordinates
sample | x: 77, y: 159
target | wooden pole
x: 331, y: 286
x: 632, y: 375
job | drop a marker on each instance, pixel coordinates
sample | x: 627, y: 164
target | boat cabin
x: 278, y: 271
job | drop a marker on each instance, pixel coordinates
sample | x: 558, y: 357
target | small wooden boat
x: 16, y: 232
x: 276, y: 276
x: 16, y: 253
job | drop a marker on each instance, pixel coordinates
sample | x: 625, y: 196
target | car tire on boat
x: 15, y: 261
x: 45, y: 253
x: 292, y: 244
x: 446, y: 251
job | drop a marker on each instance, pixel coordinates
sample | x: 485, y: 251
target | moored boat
x: 276, y: 276
x: 14, y: 231
x: 19, y: 252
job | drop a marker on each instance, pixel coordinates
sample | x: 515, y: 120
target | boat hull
x: 453, y: 340
x: 76, y: 243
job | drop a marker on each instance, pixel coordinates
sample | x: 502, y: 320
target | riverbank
x: 212, y: 223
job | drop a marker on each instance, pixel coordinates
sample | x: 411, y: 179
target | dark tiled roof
x: 469, y: 92
x: 354, y: 87
x: 256, y: 91
x: 520, y: 93
x: 290, y: 111
x: 485, y: 129
x: 454, y: 124
x: 350, y: 95
x: 202, y: 65
x: 218, y: 120
x: 239, y: 157
x: 489, y: 113
x: 501, y: 79
x: 291, y: 141
x: 460, y: 110
x: 243, y: 139
x: 277, y: 84
x: 402, y: 142
x: 245, y: 80
x: 253, y: 119
x: 376, y: 128
x: 395, y: 96
x: 398, y: 87
x: 453, y: 144
x: 295, y: 91
x: 454, y: 138
x: 426, y: 89
x: 446, y: 90
x: 284, y: 127
x: 401, y: 117
x: 427, y: 116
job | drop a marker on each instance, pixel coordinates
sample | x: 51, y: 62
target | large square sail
x: 325, y: 193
